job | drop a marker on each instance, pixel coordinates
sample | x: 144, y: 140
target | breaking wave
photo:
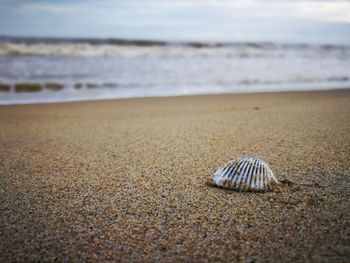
x: 53, y: 70
x: 138, y: 48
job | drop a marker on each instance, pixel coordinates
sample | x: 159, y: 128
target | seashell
x: 246, y: 174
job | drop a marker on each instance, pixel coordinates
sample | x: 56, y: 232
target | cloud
x: 47, y: 7
x: 226, y: 20
x: 329, y: 11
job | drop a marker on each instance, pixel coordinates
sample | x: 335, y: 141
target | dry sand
x: 124, y: 180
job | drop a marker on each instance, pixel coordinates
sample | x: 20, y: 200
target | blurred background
x: 53, y: 51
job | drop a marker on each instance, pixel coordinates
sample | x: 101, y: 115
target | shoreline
x: 318, y: 89
x: 125, y: 179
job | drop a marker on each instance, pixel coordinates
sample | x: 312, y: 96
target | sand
x: 124, y: 180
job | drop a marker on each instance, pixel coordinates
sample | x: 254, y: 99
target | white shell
x: 247, y: 174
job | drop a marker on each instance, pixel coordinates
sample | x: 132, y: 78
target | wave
x: 129, y: 42
x: 142, y: 42
x: 144, y: 48
x: 39, y: 70
x: 124, y: 51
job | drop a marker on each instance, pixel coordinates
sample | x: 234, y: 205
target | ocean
x: 39, y: 70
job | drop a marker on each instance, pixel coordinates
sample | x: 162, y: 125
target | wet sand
x: 125, y: 180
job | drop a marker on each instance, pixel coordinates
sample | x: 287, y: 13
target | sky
x: 284, y: 21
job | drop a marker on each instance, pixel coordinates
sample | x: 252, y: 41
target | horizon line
x: 153, y: 42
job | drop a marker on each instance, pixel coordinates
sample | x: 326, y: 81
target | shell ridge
x: 219, y: 173
x: 247, y: 178
x: 253, y: 174
x: 238, y: 174
x: 242, y: 173
x: 268, y: 185
x: 229, y: 172
x: 226, y: 168
x: 235, y: 173
x: 256, y: 179
x: 260, y: 183
x: 263, y: 177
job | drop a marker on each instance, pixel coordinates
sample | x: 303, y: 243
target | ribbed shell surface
x: 247, y: 174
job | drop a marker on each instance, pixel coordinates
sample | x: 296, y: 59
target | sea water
x: 47, y: 70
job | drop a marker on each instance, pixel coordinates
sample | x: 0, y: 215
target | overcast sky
x: 286, y: 21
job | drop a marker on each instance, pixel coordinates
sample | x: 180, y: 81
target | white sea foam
x: 121, y: 71
x: 129, y: 51
x: 86, y: 49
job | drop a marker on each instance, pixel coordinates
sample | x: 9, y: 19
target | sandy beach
x: 125, y: 180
